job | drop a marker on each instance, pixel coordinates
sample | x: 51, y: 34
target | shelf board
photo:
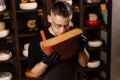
x: 92, y: 4
x: 89, y: 28
x: 3, y: 12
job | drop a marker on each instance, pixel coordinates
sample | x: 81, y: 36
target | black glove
x: 82, y: 42
x: 53, y: 58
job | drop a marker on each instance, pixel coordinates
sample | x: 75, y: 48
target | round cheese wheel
x: 2, y: 26
x: 26, y: 46
x: 5, y: 76
x: 31, y: 24
x: 25, y: 53
x: 94, y: 64
x: 4, y: 33
x: 95, y: 43
x: 28, y: 6
x: 5, y: 55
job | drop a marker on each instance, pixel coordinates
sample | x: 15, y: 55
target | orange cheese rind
x: 60, y: 38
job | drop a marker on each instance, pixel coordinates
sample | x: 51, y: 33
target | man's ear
x: 49, y: 18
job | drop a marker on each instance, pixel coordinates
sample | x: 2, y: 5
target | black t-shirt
x: 35, y: 52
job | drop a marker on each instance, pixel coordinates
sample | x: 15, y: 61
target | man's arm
x: 39, y: 69
x: 83, y: 57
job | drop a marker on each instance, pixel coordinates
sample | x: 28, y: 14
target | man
x: 51, y: 67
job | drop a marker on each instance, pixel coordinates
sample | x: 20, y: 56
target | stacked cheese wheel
x: 3, y: 32
x: 5, y: 76
x: 25, y: 51
x: 2, y: 5
x: 5, y: 55
x: 28, y: 5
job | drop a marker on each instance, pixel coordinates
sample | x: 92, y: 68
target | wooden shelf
x: 18, y: 34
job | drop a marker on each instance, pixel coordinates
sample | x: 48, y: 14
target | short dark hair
x: 61, y: 8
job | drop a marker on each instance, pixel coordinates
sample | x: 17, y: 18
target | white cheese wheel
x: 25, y: 53
x: 26, y: 46
x: 92, y: 17
x: 94, y: 64
x: 5, y: 55
x: 2, y: 8
x: 5, y: 76
x: 95, y: 43
x: 28, y: 6
x: 4, y: 33
x: 2, y: 26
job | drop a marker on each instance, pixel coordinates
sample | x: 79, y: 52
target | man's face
x: 59, y: 24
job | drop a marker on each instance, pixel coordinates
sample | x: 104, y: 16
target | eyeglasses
x: 59, y: 26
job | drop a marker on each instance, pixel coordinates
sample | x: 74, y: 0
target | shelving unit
x: 16, y: 21
x: 103, y: 9
x: 7, y: 42
x: 23, y: 33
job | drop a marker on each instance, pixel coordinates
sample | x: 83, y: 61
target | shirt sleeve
x: 81, y: 42
x: 34, y: 52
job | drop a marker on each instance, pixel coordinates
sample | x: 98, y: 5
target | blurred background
x: 115, y: 55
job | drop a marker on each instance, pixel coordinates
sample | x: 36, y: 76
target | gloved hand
x: 82, y: 42
x: 53, y: 58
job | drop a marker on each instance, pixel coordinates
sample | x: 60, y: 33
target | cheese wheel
x: 5, y: 55
x: 5, y: 76
x: 60, y: 38
x: 4, y: 33
x: 94, y: 64
x: 65, y: 44
x: 31, y: 24
x: 25, y: 53
x: 26, y: 46
x: 28, y: 6
x: 95, y: 43
x: 2, y: 26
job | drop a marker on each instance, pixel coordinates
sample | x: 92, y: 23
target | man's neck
x: 51, y: 31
